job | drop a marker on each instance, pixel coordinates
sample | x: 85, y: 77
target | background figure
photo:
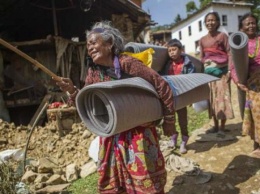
x: 251, y: 122
x: 15, y: 72
x: 131, y: 161
x: 214, y: 53
x: 4, y: 114
x: 179, y: 63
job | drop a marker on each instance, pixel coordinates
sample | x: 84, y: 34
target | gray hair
x: 109, y: 34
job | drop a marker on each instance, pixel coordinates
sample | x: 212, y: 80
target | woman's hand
x: 242, y: 87
x: 228, y: 76
x: 66, y: 85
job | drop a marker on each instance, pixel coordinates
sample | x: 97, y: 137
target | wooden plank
x: 33, y: 61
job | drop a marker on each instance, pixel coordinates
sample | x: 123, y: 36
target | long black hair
x: 216, y: 16
x: 247, y: 15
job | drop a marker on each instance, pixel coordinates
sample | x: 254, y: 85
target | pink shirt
x: 252, y: 48
x: 254, y: 62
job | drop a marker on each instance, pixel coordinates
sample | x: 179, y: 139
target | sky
x: 164, y: 11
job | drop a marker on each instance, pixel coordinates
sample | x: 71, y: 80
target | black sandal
x: 212, y: 130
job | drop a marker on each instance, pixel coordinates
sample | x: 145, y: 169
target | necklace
x: 256, y: 49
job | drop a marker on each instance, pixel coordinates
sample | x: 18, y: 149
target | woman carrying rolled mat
x: 131, y: 161
x: 248, y: 24
x: 214, y: 53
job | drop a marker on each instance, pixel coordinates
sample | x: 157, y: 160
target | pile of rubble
x: 53, y: 159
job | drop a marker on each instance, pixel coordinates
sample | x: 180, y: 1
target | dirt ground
x: 234, y: 170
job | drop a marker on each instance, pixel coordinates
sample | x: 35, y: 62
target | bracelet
x: 169, y: 116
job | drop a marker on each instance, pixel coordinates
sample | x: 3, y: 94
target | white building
x: 191, y: 29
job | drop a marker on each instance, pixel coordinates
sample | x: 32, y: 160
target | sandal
x: 221, y: 134
x: 212, y: 130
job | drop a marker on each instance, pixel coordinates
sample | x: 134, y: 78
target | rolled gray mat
x: 189, y: 88
x: 160, y: 55
x: 108, y: 108
x: 238, y: 42
x: 112, y: 107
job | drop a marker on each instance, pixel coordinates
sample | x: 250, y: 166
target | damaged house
x: 53, y: 33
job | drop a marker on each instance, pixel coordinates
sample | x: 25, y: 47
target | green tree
x: 203, y: 3
x: 177, y: 19
x: 191, y: 7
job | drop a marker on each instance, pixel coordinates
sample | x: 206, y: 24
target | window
x: 180, y: 37
x: 200, y: 26
x: 224, y: 20
x: 189, y: 29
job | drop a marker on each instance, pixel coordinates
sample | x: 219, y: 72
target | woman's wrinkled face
x: 249, y: 27
x: 211, y: 23
x: 99, y: 50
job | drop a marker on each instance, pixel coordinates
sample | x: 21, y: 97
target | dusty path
x: 233, y: 169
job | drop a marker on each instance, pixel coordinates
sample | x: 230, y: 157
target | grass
x: 196, y: 120
x: 7, y: 179
x: 88, y: 185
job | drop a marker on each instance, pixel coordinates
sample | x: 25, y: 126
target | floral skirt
x: 131, y: 162
x: 220, y: 99
x: 251, y: 121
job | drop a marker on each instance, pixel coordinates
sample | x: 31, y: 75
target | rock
x: 58, y: 171
x: 46, y: 166
x: 86, y: 134
x: 88, y: 169
x: 39, y: 186
x: 3, y: 141
x: 42, y: 178
x: 29, y: 177
x: 53, y: 189
x: 55, y: 180
x: 71, y: 172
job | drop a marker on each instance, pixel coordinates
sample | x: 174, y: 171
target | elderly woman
x: 248, y: 24
x: 129, y: 162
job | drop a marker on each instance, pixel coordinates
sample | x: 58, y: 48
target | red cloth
x: 176, y: 67
x: 131, y: 162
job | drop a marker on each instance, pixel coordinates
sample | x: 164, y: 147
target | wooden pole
x: 27, y: 57
x: 54, y: 14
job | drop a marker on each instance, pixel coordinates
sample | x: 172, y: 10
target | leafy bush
x: 7, y: 179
